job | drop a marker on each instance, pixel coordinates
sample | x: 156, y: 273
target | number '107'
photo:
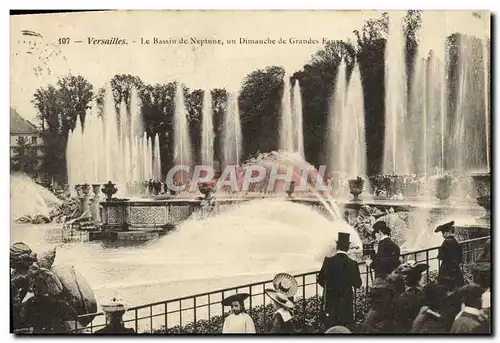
x: 64, y: 40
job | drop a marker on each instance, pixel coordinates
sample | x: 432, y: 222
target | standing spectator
x: 452, y: 303
x: 238, y: 321
x: 281, y: 322
x: 470, y: 320
x: 380, y: 316
x: 114, y: 317
x: 338, y: 276
x: 430, y: 318
x: 450, y: 255
x: 387, y: 257
x: 409, y: 303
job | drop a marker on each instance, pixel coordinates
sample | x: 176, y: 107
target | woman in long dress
x: 238, y: 321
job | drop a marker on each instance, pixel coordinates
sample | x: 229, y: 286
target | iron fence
x: 196, y: 313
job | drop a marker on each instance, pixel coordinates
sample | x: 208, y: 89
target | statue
x: 47, y: 298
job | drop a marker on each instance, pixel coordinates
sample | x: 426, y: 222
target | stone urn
x: 482, y: 182
x: 109, y: 189
x: 443, y: 187
x: 356, y: 187
x: 207, y: 189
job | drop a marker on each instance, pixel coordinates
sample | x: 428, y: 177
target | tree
x: 58, y: 108
x: 25, y: 157
x: 259, y: 104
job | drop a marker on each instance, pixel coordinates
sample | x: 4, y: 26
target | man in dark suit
x: 387, y: 257
x: 450, y: 255
x: 338, y: 275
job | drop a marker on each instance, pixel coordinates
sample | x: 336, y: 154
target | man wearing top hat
x: 387, y: 257
x: 450, y: 255
x: 338, y: 275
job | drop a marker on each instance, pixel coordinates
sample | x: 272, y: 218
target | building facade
x: 26, y: 147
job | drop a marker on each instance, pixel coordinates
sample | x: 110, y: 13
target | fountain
x: 298, y: 138
x: 396, y: 150
x: 104, y: 148
x: 286, y: 133
x: 334, y: 152
x: 232, y: 139
x: 207, y: 131
x: 346, y: 134
x: 182, y: 141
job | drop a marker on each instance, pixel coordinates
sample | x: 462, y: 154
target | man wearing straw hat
x: 338, y: 275
x: 114, y: 311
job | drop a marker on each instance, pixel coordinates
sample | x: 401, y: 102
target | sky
x: 209, y: 66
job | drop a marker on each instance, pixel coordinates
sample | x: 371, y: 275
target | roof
x: 19, y: 125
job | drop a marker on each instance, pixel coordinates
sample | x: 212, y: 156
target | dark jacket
x: 114, y: 329
x: 379, y: 318
x: 428, y: 321
x: 338, y: 275
x: 470, y: 323
x: 450, y: 255
x: 406, y: 308
x: 450, y: 307
x: 387, y: 257
x: 279, y: 326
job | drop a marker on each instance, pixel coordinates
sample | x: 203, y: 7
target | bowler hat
x: 446, y: 227
x: 234, y: 297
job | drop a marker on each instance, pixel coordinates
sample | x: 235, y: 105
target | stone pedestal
x: 114, y: 215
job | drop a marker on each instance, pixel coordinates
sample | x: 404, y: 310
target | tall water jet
x: 182, y: 141
x: 486, y: 72
x: 136, y: 129
x: 297, y: 119
x: 207, y: 128
x: 157, y: 158
x: 352, y: 122
x: 334, y: 152
x: 286, y: 127
x: 396, y: 152
x: 232, y: 139
x: 111, y: 133
x: 467, y: 150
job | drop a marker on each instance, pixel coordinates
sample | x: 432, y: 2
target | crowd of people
x: 397, y: 301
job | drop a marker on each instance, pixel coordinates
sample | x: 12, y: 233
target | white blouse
x: 238, y: 323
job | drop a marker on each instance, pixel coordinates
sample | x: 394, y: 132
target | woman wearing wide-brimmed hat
x: 238, y: 321
x: 285, y: 288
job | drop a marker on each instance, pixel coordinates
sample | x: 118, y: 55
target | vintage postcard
x: 256, y: 172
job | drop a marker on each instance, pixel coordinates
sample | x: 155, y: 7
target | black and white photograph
x: 221, y: 172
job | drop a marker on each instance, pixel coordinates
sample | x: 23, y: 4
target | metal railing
x: 171, y: 316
